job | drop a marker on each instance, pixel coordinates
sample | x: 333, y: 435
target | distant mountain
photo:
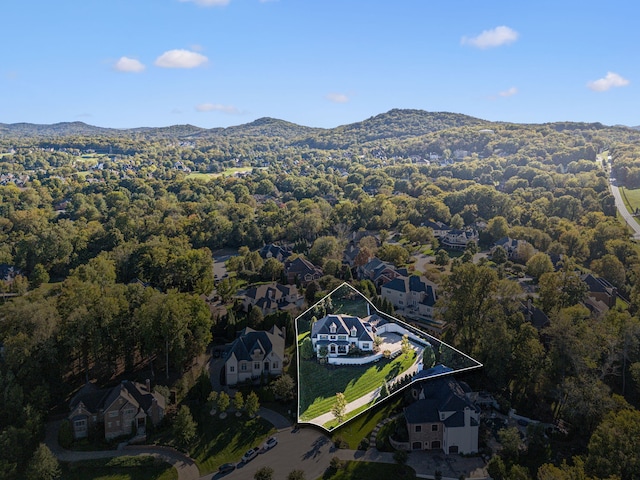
x: 396, y: 123
x: 172, y: 131
x: 264, y: 127
x: 54, y: 130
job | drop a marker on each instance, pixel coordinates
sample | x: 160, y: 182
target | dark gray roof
x: 250, y: 340
x: 344, y: 324
x: 443, y: 394
x: 422, y: 411
x: 91, y: 397
x: 95, y: 399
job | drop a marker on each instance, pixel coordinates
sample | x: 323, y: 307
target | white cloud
x: 492, y: 38
x: 611, y: 80
x: 216, y: 107
x: 126, y: 64
x: 180, y: 59
x: 509, y: 93
x: 208, y: 3
x: 337, y: 97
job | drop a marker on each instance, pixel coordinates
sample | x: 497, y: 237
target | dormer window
x: 332, y: 328
x: 354, y: 332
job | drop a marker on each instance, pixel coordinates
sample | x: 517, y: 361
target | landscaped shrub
x: 65, y: 434
x: 364, y: 444
x: 340, y: 442
x: 336, y: 464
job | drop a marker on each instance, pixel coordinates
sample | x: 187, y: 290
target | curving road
x: 631, y: 221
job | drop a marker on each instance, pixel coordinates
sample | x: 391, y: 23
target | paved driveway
x: 307, y: 449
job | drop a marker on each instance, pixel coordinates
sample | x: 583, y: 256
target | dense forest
x: 109, y: 236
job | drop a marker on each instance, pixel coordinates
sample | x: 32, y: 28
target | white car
x: 250, y: 455
x: 269, y: 444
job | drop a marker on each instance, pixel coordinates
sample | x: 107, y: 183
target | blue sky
x: 320, y: 63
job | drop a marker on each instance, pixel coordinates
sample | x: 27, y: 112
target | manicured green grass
x: 362, y: 426
x: 222, y: 441
x: 143, y: 467
x: 227, y: 172
x: 321, y: 383
x: 371, y: 471
x: 357, y: 307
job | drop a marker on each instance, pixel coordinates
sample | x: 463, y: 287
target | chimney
x: 148, y: 382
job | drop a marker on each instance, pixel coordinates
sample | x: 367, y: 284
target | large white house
x: 340, y: 333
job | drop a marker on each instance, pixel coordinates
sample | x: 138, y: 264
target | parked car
x: 269, y: 443
x: 227, y: 467
x: 250, y: 455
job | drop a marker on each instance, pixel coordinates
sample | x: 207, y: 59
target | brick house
x: 443, y: 418
x: 119, y: 411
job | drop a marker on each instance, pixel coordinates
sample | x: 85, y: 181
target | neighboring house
x: 120, y: 411
x: 278, y: 252
x: 512, y: 246
x: 415, y: 295
x: 341, y: 333
x: 271, y: 297
x: 458, y: 239
x: 440, y: 229
x: 254, y: 353
x: 535, y: 316
x: 302, y: 269
x: 443, y: 418
x: 379, y: 272
x: 8, y: 273
x: 600, y: 290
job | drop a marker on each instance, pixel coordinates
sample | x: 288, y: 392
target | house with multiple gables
x: 272, y: 297
x: 443, y: 417
x: 253, y: 354
x: 341, y: 333
x: 118, y: 411
x: 439, y: 229
x: 416, y: 295
x: 379, y: 272
x: 458, y: 239
x: 510, y: 245
x: 279, y: 252
x: 600, y: 290
x: 302, y: 270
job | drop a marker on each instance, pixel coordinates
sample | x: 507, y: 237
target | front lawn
x: 120, y: 468
x: 360, y: 428
x: 370, y: 471
x: 222, y: 441
x: 319, y: 383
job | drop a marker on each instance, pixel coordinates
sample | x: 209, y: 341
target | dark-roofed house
x: 340, y: 333
x: 458, y: 239
x: 271, y: 297
x: 600, y: 289
x: 254, y: 353
x: 378, y: 272
x: 415, y: 295
x: 121, y: 410
x: 443, y: 418
x: 278, y: 252
x: 510, y: 245
x: 440, y: 229
x: 302, y: 269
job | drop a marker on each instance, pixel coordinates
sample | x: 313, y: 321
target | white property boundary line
x: 386, y: 317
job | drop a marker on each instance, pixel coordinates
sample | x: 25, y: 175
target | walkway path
x: 371, y: 396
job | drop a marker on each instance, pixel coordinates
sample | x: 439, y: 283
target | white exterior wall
x: 465, y: 438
